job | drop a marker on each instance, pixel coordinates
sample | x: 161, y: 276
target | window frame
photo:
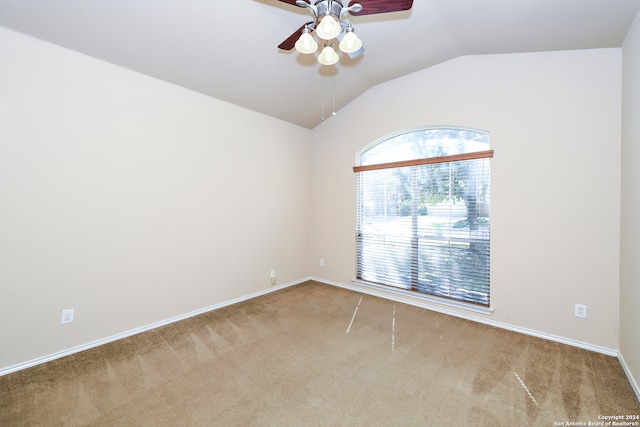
x: 412, y: 291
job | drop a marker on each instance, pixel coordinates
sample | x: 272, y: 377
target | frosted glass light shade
x: 350, y: 42
x: 306, y: 44
x: 328, y: 56
x: 328, y: 28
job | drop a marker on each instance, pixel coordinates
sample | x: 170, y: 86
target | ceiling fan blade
x: 293, y: 2
x: 290, y: 42
x: 371, y: 7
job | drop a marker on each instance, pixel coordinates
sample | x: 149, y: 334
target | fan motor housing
x: 324, y: 6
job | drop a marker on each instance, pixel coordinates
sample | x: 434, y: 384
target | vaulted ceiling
x: 228, y: 49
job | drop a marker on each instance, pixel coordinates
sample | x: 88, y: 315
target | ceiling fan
x: 329, y: 25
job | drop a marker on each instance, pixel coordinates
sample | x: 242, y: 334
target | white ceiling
x: 228, y: 49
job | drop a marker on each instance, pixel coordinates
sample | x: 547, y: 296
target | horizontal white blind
x: 426, y: 228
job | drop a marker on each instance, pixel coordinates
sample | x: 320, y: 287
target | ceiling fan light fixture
x: 328, y: 25
x: 328, y: 56
x: 306, y: 43
x: 350, y: 42
x: 328, y: 28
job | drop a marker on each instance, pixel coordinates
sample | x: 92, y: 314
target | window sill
x: 419, y: 298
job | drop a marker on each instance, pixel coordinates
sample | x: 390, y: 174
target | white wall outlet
x: 273, y: 277
x: 321, y: 262
x: 67, y: 316
x: 580, y: 311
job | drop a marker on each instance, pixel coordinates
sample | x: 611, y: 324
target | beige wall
x: 133, y: 200
x: 630, y: 218
x: 554, y: 120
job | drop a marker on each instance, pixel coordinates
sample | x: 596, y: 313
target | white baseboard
x: 627, y: 371
x: 87, y: 346
x: 445, y: 310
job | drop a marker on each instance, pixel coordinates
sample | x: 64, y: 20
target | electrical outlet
x: 321, y: 262
x: 273, y: 277
x: 580, y: 311
x: 67, y: 316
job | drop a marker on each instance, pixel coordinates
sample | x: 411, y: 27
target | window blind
x: 424, y: 226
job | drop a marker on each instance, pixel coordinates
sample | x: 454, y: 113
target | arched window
x: 423, y: 213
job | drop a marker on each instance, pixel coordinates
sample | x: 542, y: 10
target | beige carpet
x: 299, y: 357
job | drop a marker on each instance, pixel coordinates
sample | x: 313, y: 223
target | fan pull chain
x: 322, y: 99
x: 333, y: 111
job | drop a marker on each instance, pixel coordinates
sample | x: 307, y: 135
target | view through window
x: 423, y: 217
